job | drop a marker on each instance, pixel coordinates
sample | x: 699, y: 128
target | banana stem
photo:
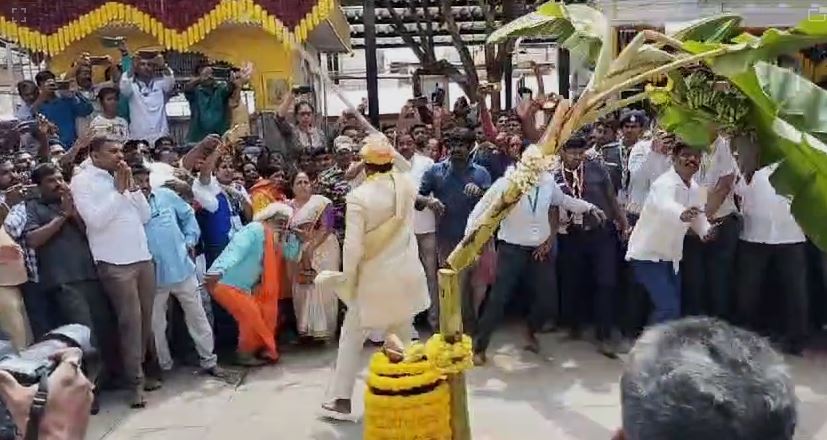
x: 635, y: 80
x: 612, y: 106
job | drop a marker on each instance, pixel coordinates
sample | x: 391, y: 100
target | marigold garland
x: 449, y: 358
x: 410, y: 400
x: 404, y: 383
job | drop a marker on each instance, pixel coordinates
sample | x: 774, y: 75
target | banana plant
x: 785, y: 112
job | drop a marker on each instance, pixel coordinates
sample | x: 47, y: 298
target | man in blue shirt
x: 60, y: 107
x: 172, y: 233
x: 451, y: 189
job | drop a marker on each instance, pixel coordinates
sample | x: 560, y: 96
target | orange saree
x: 257, y: 314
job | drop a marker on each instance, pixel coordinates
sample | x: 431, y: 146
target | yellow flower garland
x: 414, y: 400
x: 423, y: 416
x: 381, y: 365
x: 404, y: 383
x: 449, y: 358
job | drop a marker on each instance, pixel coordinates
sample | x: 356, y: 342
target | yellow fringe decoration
x: 410, y: 400
x: 113, y: 12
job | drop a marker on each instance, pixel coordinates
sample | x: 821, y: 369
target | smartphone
x: 302, y: 90
x: 148, y: 54
x: 62, y: 84
x: 222, y: 73
x: 99, y: 60
x: 112, y: 42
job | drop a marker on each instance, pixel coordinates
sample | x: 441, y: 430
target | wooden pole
x: 450, y: 325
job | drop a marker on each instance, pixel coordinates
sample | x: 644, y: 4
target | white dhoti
x: 382, y: 281
x: 349, y: 356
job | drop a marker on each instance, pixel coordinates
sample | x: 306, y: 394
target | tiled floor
x: 569, y: 392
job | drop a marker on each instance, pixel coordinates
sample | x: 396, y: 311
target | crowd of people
x: 107, y: 217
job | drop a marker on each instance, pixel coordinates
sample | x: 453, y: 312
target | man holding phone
x: 208, y: 98
x: 147, y: 93
x: 60, y: 104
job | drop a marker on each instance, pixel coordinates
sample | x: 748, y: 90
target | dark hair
x: 701, y: 378
x: 156, y: 152
x: 418, y: 125
x: 140, y: 170
x: 106, y: 91
x: 42, y: 171
x: 107, y: 74
x: 24, y: 84
x: 319, y: 151
x: 201, y: 66
x: 578, y: 140
x: 679, y: 146
x: 298, y: 105
x: 43, y: 76
x: 132, y: 145
x: 460, y: 136
x: 163, y: 139
x: 347, y: 127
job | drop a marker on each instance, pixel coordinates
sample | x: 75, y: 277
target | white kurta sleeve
x: 354, y: 246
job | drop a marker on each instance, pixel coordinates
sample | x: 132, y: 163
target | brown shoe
x: 137, y: 401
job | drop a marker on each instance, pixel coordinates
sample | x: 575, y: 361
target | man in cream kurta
x: 384, y: 282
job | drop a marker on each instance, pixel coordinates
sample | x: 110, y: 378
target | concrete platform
x: 569, y: 392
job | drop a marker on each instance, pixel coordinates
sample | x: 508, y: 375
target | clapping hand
x: 436, y: 206
x: 690, y: 214
x: 123, y: 177
x: 472, y: 190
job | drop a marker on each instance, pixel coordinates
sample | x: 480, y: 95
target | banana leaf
x: 745, y: 52
x: 800, y: 102
x: 785, y: 137
x: 713, y: 29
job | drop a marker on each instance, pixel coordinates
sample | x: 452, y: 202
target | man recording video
x: 57, y: 404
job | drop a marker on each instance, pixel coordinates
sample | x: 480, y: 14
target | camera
x: 36, y: 363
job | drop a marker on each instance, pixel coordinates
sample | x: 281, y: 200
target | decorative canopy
x: 49, y: 26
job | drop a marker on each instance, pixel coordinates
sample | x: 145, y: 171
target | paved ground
x: 568, y: 392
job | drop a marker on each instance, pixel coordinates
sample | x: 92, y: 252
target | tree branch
x: 429, y: 27
x: 464, y: 54
x: 407, y: 37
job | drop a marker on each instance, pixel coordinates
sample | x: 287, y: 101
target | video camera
x: 34, y: 364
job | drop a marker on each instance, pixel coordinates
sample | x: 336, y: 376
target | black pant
x: 788, y: 263
x: 515, y: 263
x: 589, y: 258
x: 40, y: 308
x: 85, y: 303
x: 707, y: 270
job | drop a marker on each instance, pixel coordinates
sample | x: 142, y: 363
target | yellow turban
x: 377, y: 150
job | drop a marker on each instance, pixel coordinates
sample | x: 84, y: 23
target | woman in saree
x: 269, y: 190
x: 316, y: 308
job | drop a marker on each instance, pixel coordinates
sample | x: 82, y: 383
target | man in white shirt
x: 424, y: 222
x: 674, y: 205
x: 708, y: 266
x: 526, y: 237
x: 114, y: 211
x: 147, y: 94
x: 771, y: 242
